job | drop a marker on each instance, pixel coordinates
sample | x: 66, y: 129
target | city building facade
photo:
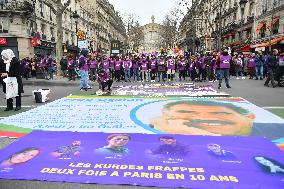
x: 243, y: 25
x: 29, y: 27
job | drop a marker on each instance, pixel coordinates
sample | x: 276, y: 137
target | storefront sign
x: 3, y: 41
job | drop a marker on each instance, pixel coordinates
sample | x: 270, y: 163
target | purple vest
x: 281, y: 60
x: 161, y: 65
x: 153, y: 64
x: 42, y: 63
x: 117, y: 65
x: 144, y: 65
x: 251, y: 62
x: 240, y: 62
x: 111, y: 63
x: 135, y: 65
x: 202, y: 64
x: 93, y: 64
x: 84, y: 66
x: 181, y: 65
x: 171, y: 64
x: 106, y: 64
x: 127, y: 65
x: 225, y: 62
x: 103, y: 78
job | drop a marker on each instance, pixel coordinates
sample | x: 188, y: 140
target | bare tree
x: 169, y: 31
x: 134, y: 32
x: 58, y: 9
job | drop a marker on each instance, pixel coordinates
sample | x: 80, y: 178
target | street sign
x: 83, y: 44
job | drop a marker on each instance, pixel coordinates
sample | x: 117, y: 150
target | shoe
x: 89, y: 87
x: 219, y: 87
x: 256, y: 78
x: 274, y: 86
x: 237, y: 78
x: 243, y: 77
x: 228, y: 86
x: 17, y: 108
x: 266, y: 85
x: 261, y: 78
x: 8, y: 109
x: 83, y: 89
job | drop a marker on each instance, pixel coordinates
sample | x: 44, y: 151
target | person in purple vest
x: 93, y: 68
x: 238, y: 61
x: 127, y: 64
x: 84, y: 68
x: 251, y: 66
x: 111, y: 65
x: 117, y: 69
x: 224, y: 64
x: 105, y: 63
x: 105, y: 80
x: 192, y: 68
x: 153, y: 67
x: 171, y: 66
x: 26, y: 67
x: 162, y: 68
x: 42, y: 67
x: 136, y: 68
x: 212, y: 70
x: 201, y: 68
x: 144, y: 68
x: 71, y: 68
x: 182, y: 67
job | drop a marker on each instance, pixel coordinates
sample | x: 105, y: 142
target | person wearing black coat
x: 11, y: 68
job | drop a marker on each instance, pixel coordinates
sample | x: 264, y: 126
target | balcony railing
x: 17, y: 5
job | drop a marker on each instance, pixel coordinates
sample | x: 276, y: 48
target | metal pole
x: 242, y: 19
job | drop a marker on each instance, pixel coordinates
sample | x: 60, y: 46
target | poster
x: 172, y: 161
x: 165, y: 90
x: 189, y: 116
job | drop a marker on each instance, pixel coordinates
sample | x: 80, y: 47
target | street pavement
x: 252, y: 90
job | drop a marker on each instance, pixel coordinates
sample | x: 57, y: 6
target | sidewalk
x: 57, y: 81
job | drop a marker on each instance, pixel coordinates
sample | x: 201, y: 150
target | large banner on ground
x: 164, y: 90
x: 173, y: 161
x: 188, y: 116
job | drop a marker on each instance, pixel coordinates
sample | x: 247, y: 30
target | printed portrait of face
x: 21, y: 157
x: 214, y: 118
x: 118, y: 141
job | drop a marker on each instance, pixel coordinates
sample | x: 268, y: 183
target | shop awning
x: 273, y: 41
x: 260, y: 26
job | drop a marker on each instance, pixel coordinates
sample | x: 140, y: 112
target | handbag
x: 11, y: 87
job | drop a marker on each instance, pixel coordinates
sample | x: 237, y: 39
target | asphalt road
x: 251, y: 90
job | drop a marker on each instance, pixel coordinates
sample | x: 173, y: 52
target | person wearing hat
x: 224, y: 64
x: 11, y: 69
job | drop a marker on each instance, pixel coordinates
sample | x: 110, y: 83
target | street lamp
x: 76, y: 17
x: 242, y: 5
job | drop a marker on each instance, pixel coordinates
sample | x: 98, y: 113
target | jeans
x: 224, y: 73
x: 84, y: 79
x: 50, y: 72
x: 259, y: 71
x: 136, y: 74
x: 127, y: 74
x: 164, y: 75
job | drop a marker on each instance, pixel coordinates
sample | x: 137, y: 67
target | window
x: 51, y: 31
x: 275, y: 27
x: 43, y: 29
x: 4, y: 25
x: 50, y: 14
x: 41, y: 5
x: 262, y: 31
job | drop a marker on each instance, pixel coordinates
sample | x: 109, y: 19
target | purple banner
x: 148, y: 160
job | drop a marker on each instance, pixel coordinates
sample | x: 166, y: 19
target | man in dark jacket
x: 272, y: 64
x: 12, y: 69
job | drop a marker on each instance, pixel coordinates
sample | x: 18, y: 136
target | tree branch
x: 49, y: 5
x: 65, y: 6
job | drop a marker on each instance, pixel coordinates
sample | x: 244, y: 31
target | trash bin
x: 41, y: 95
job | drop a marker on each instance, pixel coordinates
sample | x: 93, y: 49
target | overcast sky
x: 144, y: 9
